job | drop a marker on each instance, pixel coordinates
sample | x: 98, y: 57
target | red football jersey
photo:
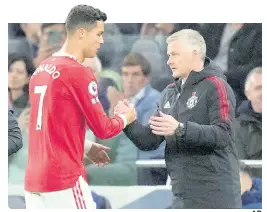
x: 63, y: 98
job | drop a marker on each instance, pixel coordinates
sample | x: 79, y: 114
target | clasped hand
x: 127, y: 109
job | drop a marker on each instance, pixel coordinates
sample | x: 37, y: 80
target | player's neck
x: 70, y: 48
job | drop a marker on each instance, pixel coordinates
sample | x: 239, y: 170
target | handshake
x: 126, y: 109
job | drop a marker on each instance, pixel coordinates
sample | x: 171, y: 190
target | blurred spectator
x: 14, y: 134
x: 160, y: 76
x: 29, y: 43
x: 15, y: 31
x: 135, y: 73
x: 159, y: 32
x: 52, y: 39
x: 9, y: 99
x: 166, y: 29
x: 129, y: 28
x: 248, y: 126
x: 17, y: 162
x: 95, y: 65
x: 111, y: 52
x: 20, y: 68
x: 237, y: 48
x: 251, y: 188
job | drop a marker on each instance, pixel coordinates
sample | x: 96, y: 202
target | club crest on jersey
x: 192, y: 101
x: 92, y: 88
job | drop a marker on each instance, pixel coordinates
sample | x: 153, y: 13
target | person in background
x: 237, y: 49
x: 247, y: 127
x: 24, y: 39
x: 53, y: 36
x: 14, y: 134
x: 251, y: 188
x: 20, y: 69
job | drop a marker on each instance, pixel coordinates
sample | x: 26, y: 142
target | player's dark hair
x: 83, y: 16
x: 135, y: 59
x: 12, y: 58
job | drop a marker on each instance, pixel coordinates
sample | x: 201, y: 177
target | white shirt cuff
x: 124, y: 119
x: 87, y: 145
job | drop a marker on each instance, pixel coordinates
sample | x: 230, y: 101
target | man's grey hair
x: 191, y: 39
x: 257, y: 70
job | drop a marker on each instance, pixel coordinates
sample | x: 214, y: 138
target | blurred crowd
x: 132, y: 64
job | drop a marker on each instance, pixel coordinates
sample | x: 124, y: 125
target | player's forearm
x: 142, y: 136
x: 106, y: 127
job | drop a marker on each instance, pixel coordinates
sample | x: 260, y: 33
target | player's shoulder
x: 68, y: 67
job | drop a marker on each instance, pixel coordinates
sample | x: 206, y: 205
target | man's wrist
x: 181, y: 129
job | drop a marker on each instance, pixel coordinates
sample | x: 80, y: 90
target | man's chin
x: 175, y: 75
x: 257, y: 109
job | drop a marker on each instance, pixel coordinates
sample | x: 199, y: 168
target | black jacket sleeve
x: 221, y: 112
x: 14, y: 134
x: 142, y: 136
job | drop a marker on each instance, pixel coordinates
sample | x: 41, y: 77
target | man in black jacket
x: 195, y: 118
x: 14, y: 134
x: 237, y: 48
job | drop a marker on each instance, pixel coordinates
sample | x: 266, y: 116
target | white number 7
x: 40, y: 90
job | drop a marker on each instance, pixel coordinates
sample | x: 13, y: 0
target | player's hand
x: 127, y: 109
x: 164, y: 125
x: 23, y: 119
x: 131, y: 114
x: 98, y: 155
x: 121, y: 108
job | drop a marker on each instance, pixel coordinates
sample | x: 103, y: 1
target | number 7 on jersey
x: 40, y: 90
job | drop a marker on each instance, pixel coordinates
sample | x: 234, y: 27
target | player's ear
x: 82, y: 33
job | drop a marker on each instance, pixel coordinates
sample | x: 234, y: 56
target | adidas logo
x: 167, y: 105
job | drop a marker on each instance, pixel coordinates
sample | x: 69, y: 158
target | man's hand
x: 164, y: 125
x: 98, y: 155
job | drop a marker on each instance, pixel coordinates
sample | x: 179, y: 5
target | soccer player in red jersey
x: 64, y: 100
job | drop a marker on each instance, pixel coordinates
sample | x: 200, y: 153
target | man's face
x: 55, y: 34
x: 93, y: 39
x: 180, y: 59
x: 17, y: 76
x: 133, y: 80
x: 254, y: 92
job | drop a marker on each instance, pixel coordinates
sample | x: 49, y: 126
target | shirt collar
x: 138, y: 96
